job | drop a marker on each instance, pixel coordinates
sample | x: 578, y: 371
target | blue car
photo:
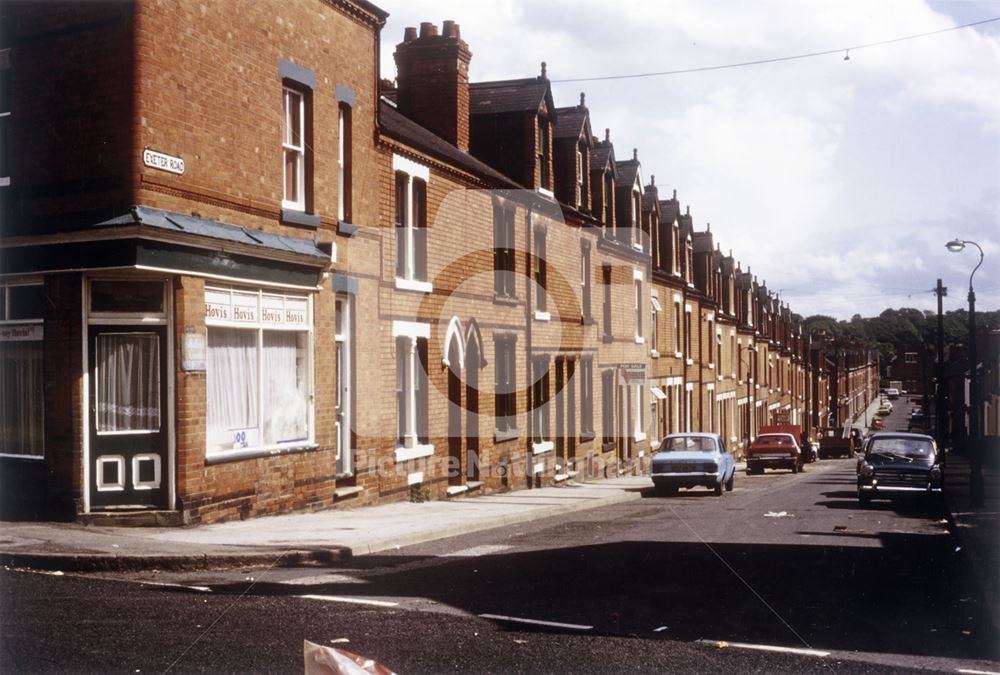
x: 691, y: 460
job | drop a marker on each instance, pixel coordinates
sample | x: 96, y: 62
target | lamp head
x: 955, y: 245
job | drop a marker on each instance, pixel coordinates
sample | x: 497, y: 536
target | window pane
x: 231, y: 387
x: 284, y: 387
x: 128, y: 381
x: 292, y: 175
x: 21, y: 398
x: 402, y: 378
x: 138, y: 297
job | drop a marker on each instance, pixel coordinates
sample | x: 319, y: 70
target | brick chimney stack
x: 432, y: 76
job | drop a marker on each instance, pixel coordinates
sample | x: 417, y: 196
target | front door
x: 128, y: 417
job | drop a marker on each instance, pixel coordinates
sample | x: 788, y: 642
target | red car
x: 774, y: 451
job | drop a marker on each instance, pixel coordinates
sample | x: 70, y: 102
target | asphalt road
x: 695, y: 583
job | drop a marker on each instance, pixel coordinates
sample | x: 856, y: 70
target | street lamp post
x: 975, y: 460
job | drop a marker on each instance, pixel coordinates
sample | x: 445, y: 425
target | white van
x: 892, y: 393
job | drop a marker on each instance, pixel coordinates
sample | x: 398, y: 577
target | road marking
x: 535, y: 622
x: 476, y: 551
x: 200, y: 589
x: 353, y: 601
x: 766, y: 648
x: 976, y: 672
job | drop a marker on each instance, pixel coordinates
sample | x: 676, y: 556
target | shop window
x: 22, y: 404
x: 258, y: 370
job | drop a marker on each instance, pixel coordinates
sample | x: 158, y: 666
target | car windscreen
x: 682, y: 443
x: 909, y: 449
x: 775, y: 439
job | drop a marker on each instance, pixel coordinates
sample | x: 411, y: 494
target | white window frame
x: 411, y: 448
x: 639, y: 402
x: 412, y: 170
x: 288, y: 147
x: 342, y: 178
x: 259, y: 326
x: 637, y: 279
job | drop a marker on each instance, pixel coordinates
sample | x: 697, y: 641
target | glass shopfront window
x: 22, y: 404
x: 258, y: 370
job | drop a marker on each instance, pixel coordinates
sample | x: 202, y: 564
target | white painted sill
x: 403, y: 453
x: 544, y: 446
x: 414, y: 285
x: 542, y: 316
x: 640, y: 340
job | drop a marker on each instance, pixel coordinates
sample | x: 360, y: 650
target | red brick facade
x: 318, y: 272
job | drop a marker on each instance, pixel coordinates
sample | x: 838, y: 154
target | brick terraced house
x: 243, y: 281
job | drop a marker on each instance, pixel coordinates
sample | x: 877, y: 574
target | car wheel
x: 795, y: 468
x: 864, y: 498
x: 729, y: 483
x: 718, y: 488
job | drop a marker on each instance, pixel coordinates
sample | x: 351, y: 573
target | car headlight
x: 867, y: 470
x: 935, y: 472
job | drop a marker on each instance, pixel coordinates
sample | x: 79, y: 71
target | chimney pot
x: 544, y: 68
x: 652, y: 179
x: 451, y: 29
x: 410, y: 34
x: 583, y: 99
x: 635, y: 154
x: 428, y: 29
x: 675, y: 195
x: 607, y: 134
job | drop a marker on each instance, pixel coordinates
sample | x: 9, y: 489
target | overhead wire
x: 778, y: 59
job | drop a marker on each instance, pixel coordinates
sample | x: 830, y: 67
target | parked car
x: 897, y: 464
x: 892, y: 393
x: 690, y: 460
x: 774, y: 451
x: 883, y: 410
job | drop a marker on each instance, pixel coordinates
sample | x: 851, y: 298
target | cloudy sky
x: 838, y: 182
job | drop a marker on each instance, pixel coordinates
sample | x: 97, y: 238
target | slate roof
x: 603, y: 152
x: 627, y: 172
x: 503, y: 96
x: 650, y: 198
x: 403, y: 129
x: 179, y: 223
x: 570, y: 122
x: 670, y: 209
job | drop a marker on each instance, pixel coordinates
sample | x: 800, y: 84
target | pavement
x: 296, y: 539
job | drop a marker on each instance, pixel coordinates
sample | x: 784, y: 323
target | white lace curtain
x: 128, y: 382
x: 231, y: 382
x: 21, y: 398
